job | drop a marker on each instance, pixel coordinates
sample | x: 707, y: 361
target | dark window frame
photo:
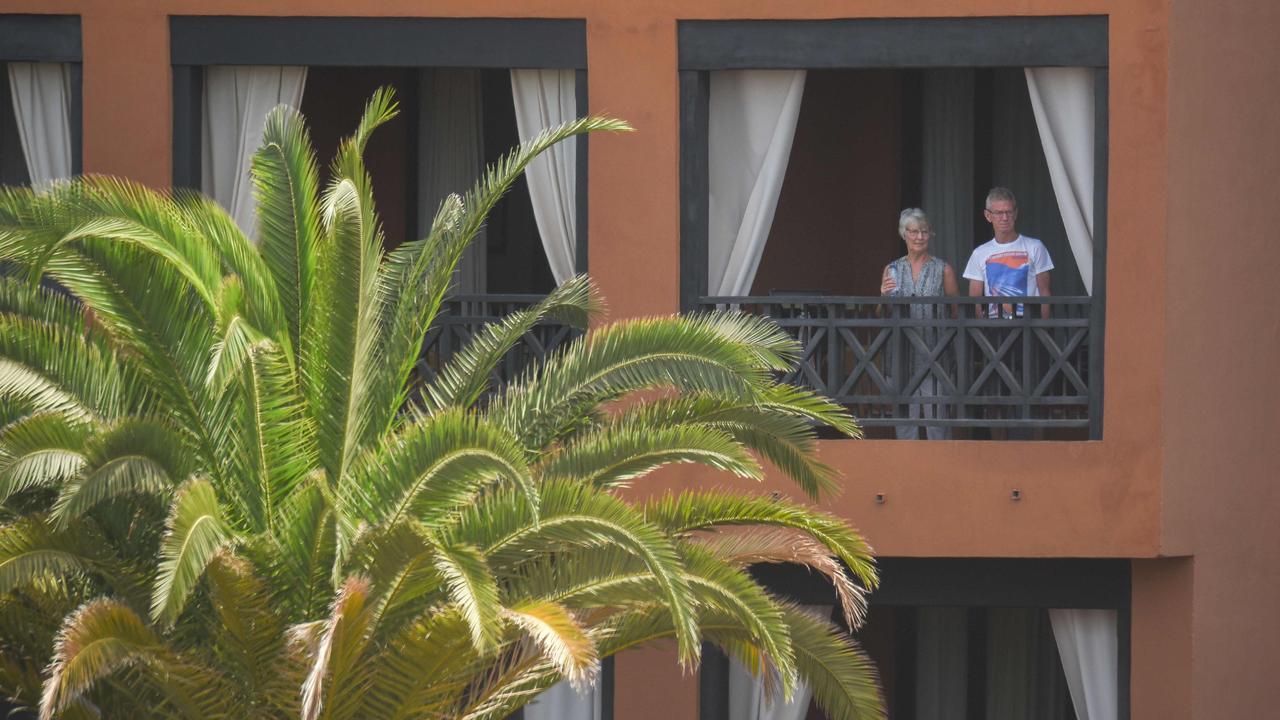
x: 198, y: 41
x: 892, y: 43
x: 955, y: 582
x: 50, y: 38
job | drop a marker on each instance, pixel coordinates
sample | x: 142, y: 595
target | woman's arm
x: 950, y: 286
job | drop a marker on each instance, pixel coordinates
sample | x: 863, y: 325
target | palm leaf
x: 692, y: 511
x: 105, y: 637
x: 561, y: 640
x: 196, y: 531
x: 286, y: 186
x: 337, y: 679
x: 33, y: 552
x: 616, y: 454
x: 466, y: 377
x: 474, y: 590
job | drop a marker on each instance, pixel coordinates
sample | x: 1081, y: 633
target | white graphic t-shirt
x: 1009, y: 269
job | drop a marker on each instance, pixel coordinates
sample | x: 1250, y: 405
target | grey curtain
x: 942, y: 662
x: 1024, y: 674
x: 451, y: 157
x: 947, y: 192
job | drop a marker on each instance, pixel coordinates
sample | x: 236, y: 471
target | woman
x: 919, y: 274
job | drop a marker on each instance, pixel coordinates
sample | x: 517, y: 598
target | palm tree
x: 225, y: 493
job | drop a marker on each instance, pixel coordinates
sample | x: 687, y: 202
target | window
x: 975, y: 639
x: 40, y: 79
x: 468, y: 92
x: 802, y: 141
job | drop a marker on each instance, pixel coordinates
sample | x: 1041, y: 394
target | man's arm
x: 1042, y: 284
x: 976, y: 290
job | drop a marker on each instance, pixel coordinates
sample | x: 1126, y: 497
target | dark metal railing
x: 462, y: 316
x: 897, y: 362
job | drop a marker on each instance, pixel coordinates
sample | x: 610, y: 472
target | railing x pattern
x: 948, y: 358
x: 462, y: 316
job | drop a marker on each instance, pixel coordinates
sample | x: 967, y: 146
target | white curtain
x: 752, y: 123
x: 747, y: 698
x: 545, y: 98
x: 451, y: 157
x: 1063, y: 100
x: 562, y: 702
x: 1087, y: 644
x: 237, y: 100
x: 41, y: 105
x: 947, y: 192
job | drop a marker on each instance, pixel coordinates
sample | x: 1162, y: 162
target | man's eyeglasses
x: 1002, y: 213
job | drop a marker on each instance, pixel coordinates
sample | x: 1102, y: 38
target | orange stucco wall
x: 1221, y: 493
x: 1182, y: 469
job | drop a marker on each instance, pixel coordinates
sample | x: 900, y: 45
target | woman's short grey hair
x: 909, y: 215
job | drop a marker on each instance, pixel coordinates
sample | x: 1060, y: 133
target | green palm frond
x: 779, y: 425
x: 733, y: 593
x: 578, y: 515
x: 749, y: 546
x: 131, y: 456
x: 301, y: 551
x: 20, y: 383
x: 615, y: 455
x: 467, y: 375
x: 105, y: 637
x: 248, y: 267
x: 843, y: 680
x: 34, y: 553
x: 679, y: 514
x: 44, y: 449
x: 250, y: 637
x: 119, y: 476
x: 560, y: 639
x: 431, y: 467
x: 473, y: 589
x: 336, y: 679
x: 400, y: 563
x: 196, y: 531
x: 424, y: 669
x: 273, y: 437
x: 686, y: 353
x: 286, y: 187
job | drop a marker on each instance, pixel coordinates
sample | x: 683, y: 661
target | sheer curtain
x: 1024, y: 679
x: 236, y: 102
x: 1088, y: 646
x: 562, y: 702
x: 942, y: 663
x: 1063, y: 101
x: 544, y: 98
x: 753, y: 121
x: 947, y: 192
x: 747, y: 698
x: 451, y: 157
x: 41, y: 105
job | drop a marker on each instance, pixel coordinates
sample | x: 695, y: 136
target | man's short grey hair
x: 909, y: 215
x: 1001, y: 193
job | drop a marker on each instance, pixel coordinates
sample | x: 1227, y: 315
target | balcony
x: 462, y: 316
x: 1019, y: 377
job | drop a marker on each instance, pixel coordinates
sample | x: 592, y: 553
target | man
x: 1009, y: 264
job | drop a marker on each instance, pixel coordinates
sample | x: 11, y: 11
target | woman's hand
x: 887, y: 284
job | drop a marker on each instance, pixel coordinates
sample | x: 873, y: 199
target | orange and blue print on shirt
x: 1007, y: 275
